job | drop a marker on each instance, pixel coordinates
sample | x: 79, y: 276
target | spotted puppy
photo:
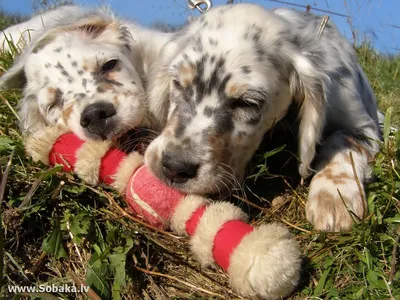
x: 227, y: 79
x: 84, y: 69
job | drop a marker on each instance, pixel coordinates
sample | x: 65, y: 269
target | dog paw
x: 334, y: 202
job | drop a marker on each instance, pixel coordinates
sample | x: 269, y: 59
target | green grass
x: 384, y: 75
x: 58, y: 230
x: 7, y: 20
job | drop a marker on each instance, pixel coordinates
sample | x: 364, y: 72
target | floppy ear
x: 14, y: 78
x: 308, y: 87
x: 159, y: 81
x: 31, y: 119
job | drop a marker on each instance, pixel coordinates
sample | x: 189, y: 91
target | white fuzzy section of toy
x: 125, y: 170
x: 266, y: 263
x: 39, y: 144
x: 216, y: 214
x: 88, y: 161
x: 184, y: 211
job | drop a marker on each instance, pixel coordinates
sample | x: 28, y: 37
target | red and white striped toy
x: 261, y: 261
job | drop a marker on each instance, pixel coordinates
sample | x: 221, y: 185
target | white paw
x: 329, y: 210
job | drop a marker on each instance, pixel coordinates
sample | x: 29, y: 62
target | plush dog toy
x: 260, y: 261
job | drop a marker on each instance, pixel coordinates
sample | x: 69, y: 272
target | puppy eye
x: 177, y: 84
x: 110, y: 65
x: 242, y: 103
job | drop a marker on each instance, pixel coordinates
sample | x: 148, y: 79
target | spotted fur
x: 230, y: 76
x: 79, y: 58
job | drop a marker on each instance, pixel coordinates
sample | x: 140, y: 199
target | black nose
x: 94, y: 116
x: 177, y: 169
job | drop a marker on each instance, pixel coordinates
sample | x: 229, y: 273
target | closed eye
x: 243, y: 103
x: 177, y: 84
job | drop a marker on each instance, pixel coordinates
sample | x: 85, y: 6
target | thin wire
x: 310, y: 7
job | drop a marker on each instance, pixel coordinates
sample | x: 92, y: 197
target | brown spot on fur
x: 103, y: 87
x: 51, y: 91
x: 325, y: 196
x: 94, y: 29
x: 67, y: 112
x: 337, y: 179
x: 110, y: 75
x: 345, y: 175
x: 356, y: 146
x: 219, y: 147
x: 235, y: 90
x: 187, y: 74
x: 325, y: 173
x: 110, y: 79
x: 342, y: 178
x: 116, y: 101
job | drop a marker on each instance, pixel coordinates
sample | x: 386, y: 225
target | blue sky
x: 371, y: 19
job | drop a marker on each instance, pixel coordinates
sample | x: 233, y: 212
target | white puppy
x: 84, y: 69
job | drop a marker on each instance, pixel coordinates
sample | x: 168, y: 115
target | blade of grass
x: 9, y: 106
x: 386, y: 125
x: 3, y: 178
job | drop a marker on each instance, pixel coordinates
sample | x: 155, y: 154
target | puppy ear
x: 93, y: 29
x: 104, y: 29
x: 14, y: 78
x: 31, y: 119
x: 308, y: 88
x: 159, y: 81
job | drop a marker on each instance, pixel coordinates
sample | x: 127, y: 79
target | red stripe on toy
x: 152, y: 199
x: 64, y: 151
x: 192, y: 223
x: 227, y: 239
x: 109, y: 165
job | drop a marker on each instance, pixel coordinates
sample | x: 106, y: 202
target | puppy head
x: 80, y: 75
x: 226, y: 88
